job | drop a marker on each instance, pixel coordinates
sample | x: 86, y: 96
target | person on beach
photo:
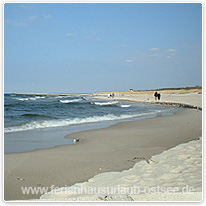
x: 157, y: 96
x: 111, y: 95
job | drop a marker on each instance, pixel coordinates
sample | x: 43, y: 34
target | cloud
x: 98, y: 40
x: 31, y: 18
x: 171, y: 50
x: 154, y: 52
x: 26, y: 6
x: 171, y: 53
x: 128, y: 60
x: 16, y: 23
x: 26, y: 21
x: 47, y: 16
x: 121, y: 46
x: 22, y: 22
x: 153, y: 55
x: 70, y: 34
x: 154, y: 49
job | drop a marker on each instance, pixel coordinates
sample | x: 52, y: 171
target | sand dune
x: 179, y: 168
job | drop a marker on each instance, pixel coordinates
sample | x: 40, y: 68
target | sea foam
x: 66, y: 122
x: 70, y: 101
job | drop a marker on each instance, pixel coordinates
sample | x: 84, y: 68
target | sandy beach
x: 112, y: 149
x: 168, y: 97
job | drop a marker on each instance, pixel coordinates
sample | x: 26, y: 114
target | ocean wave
x: 21, y: 99
x: 112, y: 103
x: 105, y: 103
x: 125, y: 105
x: 9, y: 105
x: 70, y: 101
x: 39, y: 97
x: 36, y: 115
x: 66, y: 122
x: 28, y: 98
x: 60, y: 97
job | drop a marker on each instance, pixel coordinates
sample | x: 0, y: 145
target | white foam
x: 60, y: 97
x: 39, y: 97
x: 66, y: 122
x: 32, y: 98
x: 106, y: 103
x: 29, y: 98
x: 21, y: 99
x: 117, y: 103
x: 125, y: 105
x: 70, y: 101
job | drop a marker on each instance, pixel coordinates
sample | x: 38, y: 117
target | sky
x: 86, y: 48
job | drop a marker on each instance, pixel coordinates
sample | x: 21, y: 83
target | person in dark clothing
x: 157, y: 96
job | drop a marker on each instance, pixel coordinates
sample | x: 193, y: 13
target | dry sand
x: 190, y: 98
x: 115, y: 148
x: 174, y: 175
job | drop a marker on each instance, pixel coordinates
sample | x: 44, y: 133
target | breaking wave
x: 66, y: 122
x: 112, y: 103
x: 28, y: 98
x: 70, y: 101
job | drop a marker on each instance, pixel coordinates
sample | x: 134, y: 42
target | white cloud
x: 70, y: 34
x: 31, y: 18
x: 153, y: 55
x: 121, y: 46
x: 26, y: 6
x: 47, y: 16
x: 128, y: 60
x: 16, y: 23
x: 171, y: 50
x: 154, y: 49
x: 22, y: 22
x: 171, y: 53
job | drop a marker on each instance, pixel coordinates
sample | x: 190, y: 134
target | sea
x: 39, y: 121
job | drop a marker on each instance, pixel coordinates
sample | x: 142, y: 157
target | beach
x: 113, y: 149
x: 183, y: 97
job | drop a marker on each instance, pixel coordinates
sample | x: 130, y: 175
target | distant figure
x: 157, y: 96
x: 111, y: 95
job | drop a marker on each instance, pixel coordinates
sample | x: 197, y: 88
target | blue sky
x: 65, y: 47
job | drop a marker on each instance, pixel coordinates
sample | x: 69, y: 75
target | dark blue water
x: 41, y: 121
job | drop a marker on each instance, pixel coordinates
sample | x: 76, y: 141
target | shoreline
x: 48, y: 167
x: 48, y: 135
x: 192, y: 100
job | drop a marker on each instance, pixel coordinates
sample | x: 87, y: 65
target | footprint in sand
x: 130, y: 178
